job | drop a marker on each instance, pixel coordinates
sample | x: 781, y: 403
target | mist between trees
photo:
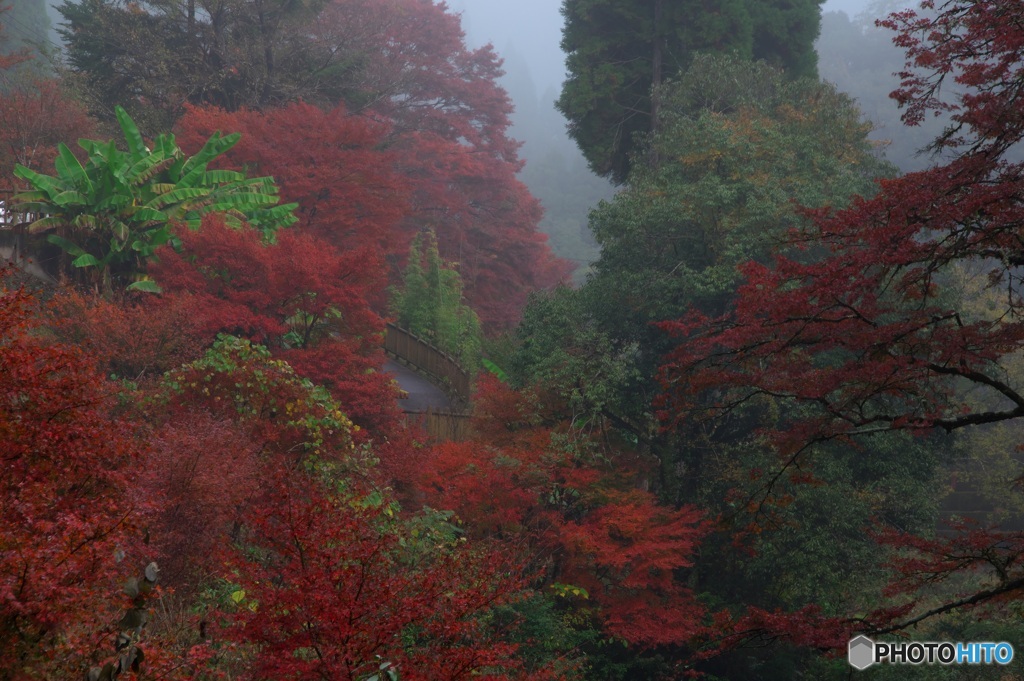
x: 746, y: 366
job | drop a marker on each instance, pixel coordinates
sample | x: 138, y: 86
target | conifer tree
x: 618, y: 51
x: 431, y: 304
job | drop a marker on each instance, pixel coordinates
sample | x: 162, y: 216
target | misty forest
x: 334, y: 346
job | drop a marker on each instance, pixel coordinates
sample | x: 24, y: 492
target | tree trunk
x: 656, y: 78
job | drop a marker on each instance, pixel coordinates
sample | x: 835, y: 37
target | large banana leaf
x: 142, y: 214
x: 51, y: 186
x: 146, y: 285
x: 86, y: 260
x: 136, y: 145
x: 69, y: 198
x: 65, y: 245
x: 85, y: 221
x: 241, y: 201
x: 166, y: 146
x: 181, y: 195
x: 222, y: 177
x: 43, y: 224
x: 28, y: 206
x: 194, y: 167
x: 147, y: 167
x: 69, y: 167
x: 120, y: 231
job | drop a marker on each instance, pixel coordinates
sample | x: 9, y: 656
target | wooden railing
x: 452, y: 425
x: 424, y: 357
x: 443, y: 425
x: 14, y: 243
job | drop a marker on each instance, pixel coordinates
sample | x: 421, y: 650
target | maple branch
x: 978, y: 597
x: 983, y: 417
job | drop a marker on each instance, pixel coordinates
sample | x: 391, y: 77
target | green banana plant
x: 113, y: 212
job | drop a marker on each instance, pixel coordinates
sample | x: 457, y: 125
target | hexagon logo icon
x: 861, y: 652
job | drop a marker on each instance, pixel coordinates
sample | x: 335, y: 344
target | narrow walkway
x: 421, y: 393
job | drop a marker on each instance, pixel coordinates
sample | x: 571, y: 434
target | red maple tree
x: 338, y: 578
x: 65, y: 510
x: 137, y: 338
x: 308, y: 302
x: 334, y: 165
x: 422, y: 77
x: 424, y: 144
x: 584, y: 521
x: 34, y: 119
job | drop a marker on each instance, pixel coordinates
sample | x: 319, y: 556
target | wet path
x: 422, y: 394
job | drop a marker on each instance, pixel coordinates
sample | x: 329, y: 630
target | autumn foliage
x: 34, y: 119
x: 583, y: 520
x: 369, y: 187
x: 230, y: 419
x: 66, y: 511
x: 336, y: 580
x: 300, y: 296
x: 865, y: 286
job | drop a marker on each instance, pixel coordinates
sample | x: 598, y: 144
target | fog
x: 526, y: 34
x: 529, y: 31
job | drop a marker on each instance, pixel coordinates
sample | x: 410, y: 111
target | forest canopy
x: 781, y: 409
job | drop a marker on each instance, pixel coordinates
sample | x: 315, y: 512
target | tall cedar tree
x: 862, y: 328
x: 742, y: 145
x: 620, y: 51
x: 430, y: 303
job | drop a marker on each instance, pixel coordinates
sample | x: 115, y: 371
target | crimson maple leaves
x: 429, y: 150
x: 66, y: 510
x: 338, y: 579
x: 584, y: 521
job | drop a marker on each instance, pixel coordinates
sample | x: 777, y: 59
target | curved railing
x: 438, y: 365
x: 444, y: 371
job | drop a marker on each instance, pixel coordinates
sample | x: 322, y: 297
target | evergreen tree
x: 619, y: 51
x: 742, y: 147
x: 431, y: 304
